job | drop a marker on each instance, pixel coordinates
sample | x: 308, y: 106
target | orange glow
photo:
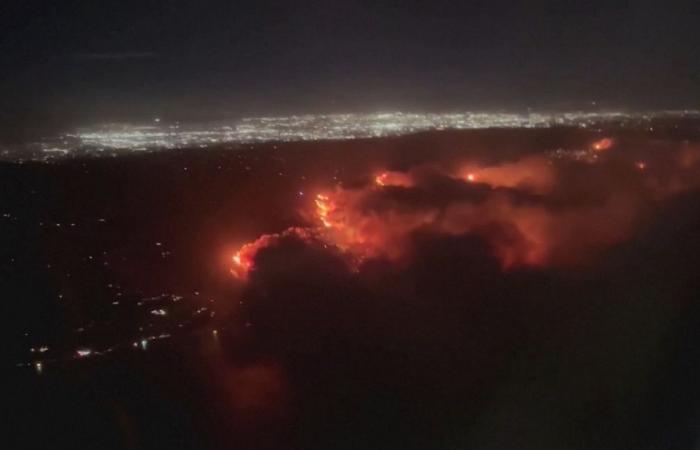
x: 256, y: 390
x: 531, y: 173
x: 363, y: 233
x: 257, y: 387
x: 244, y: 259
x: 519, y: 234
x: 603, y: 144
x: 689, y: 157
x: 393, y: 179
x: 541, y: 230
x: 323, y: 207
x: 524, y: 235
x: 241, y: 266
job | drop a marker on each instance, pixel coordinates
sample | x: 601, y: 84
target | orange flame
x: 532, y: 173
x: 393, y: 179
x: 603, y: 144
x: 324, y: 206
x: 244, y: 258
x: 367, y: 222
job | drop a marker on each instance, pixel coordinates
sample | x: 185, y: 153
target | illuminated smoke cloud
x: 243, y: 259
x: 536, y: 235
x: 429, y: 277
x: 537, y: 211
x: 534, y: 174
x: 391, y: 178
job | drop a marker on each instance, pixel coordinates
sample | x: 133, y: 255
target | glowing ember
x: 531, y: 173
x: 641, y: 165
x: 393, y: 179
x: 603, y: 144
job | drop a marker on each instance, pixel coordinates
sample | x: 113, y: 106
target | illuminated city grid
x: 160, y: 135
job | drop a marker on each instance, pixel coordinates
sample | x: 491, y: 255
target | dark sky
x: 87, y: 60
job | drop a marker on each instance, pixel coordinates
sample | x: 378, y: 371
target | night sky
x: 78, y: 61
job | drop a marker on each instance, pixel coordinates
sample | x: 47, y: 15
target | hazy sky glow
x: 126, y: 59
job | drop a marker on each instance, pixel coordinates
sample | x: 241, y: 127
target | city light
x: 161, y: 135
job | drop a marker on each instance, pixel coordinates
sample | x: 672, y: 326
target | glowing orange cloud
x: 244, y: 259
x: 534, y: 235
x: 371, y: 222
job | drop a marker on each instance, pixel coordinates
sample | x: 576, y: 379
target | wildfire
x: 360, y: 232
x: 531, y: 173
x: 603, y: 144
x: 370, y: 222
x: 323, y: 207
x: 393, y: 179
x: 244, y: 258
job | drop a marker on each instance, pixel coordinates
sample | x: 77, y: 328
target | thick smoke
x: 543, y: 210
x: 473, y: 304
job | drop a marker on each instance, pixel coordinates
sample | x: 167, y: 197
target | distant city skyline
x: 161, y: 134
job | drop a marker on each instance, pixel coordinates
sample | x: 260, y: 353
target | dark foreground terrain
x: 482, y: 289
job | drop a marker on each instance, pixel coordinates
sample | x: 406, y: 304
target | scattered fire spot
x: 603, y: 144
x: 393, y: 179
x: 368, y: 222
